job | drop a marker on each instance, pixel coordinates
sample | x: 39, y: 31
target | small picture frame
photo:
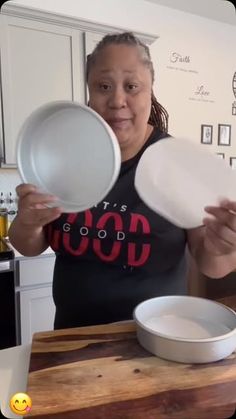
x: 232, y: 161
x: 234, y: 108
x: 220, y: 155
x: 206, y: 134
x: 224, y: 134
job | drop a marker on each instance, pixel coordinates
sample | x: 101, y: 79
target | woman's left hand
x: 220, y: 231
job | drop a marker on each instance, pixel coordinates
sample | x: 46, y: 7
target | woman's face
x: 120, y: 88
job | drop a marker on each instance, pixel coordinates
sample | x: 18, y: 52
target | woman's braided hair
x: 158, y: 116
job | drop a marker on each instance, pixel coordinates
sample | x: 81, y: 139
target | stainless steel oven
x: 7, y: 298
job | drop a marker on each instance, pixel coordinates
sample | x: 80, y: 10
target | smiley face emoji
x: 20, y: 403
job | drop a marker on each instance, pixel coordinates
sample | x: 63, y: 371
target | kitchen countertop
x: 14, y: 364
x: 101, y: 372
x: 17, y: 255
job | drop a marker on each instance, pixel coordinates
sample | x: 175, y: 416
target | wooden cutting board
x: 102, y: 372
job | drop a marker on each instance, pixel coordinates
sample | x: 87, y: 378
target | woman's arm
x: 213, y: 246
x: 26, y: 232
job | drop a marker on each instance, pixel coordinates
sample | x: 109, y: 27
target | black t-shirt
x: 114, y: 255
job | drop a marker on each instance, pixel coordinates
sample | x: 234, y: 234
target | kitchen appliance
x: 7, y: 300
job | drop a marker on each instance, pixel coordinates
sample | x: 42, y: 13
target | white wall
x: 140, y: 15
x: 9, y: 179
x: 221, y: 10
x: 209, y: 44
x: 212, y: 64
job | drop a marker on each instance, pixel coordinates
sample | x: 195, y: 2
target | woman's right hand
x: 26, y: 232
x: 33, y: 209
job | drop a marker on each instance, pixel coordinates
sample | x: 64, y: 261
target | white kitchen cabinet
x: 37, y: 311
x: 36, y: 271
x: 91, y: 40
x: 35, y: 306
x: 1, y: 131
x: 40, y: 62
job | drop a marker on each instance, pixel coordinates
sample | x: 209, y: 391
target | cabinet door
x: 36, y: 271
x: 37, y: 312
x: 1, y: 131
x: 91, y: 39
x: 40, y: 62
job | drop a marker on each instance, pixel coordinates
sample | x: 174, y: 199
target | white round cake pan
x: 68, y: 150
x: 186, y: 329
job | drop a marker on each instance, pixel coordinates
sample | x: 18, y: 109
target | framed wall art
x: 206, y: 134
x: 232, y: 161
x: 224, y: 134
x: 234, y: 108
x: 220, y: 155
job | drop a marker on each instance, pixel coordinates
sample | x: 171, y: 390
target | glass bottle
x: 3, y: 216
x: 11, y: 210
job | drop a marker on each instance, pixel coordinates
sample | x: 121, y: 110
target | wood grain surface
x: 102, y: 372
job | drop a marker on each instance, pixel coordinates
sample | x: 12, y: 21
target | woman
x: 99, y: 278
